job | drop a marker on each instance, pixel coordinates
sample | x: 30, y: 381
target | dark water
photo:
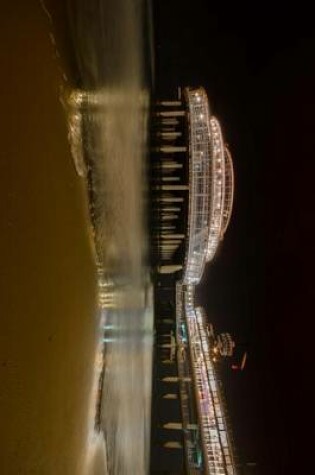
x: 75, y: 98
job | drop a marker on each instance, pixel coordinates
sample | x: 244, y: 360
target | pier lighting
x: 192, y: 139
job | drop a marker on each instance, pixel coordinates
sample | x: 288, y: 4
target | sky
x: 257, y: 63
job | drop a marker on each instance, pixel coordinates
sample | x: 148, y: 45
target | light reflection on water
x: 108, y: 136
x: 125, y: 414
x: 106, y: 99
x: 108, y: 139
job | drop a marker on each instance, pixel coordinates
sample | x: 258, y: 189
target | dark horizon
x: 258, y: 69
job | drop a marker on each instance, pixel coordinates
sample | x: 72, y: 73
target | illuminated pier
x: 192, y: 186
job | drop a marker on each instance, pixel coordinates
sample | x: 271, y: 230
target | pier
x: 192, y: 187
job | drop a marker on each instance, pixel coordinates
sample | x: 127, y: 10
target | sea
x: 76, y: 294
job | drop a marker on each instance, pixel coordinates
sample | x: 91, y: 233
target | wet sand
x: 48, y: 290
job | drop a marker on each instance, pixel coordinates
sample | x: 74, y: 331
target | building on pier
x: 192, y: 184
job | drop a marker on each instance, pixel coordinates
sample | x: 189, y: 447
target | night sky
x: 257, y: 63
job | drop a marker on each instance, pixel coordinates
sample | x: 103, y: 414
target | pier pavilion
x: 192, y: 184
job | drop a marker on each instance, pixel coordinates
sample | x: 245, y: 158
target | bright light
x: 209, y: 178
